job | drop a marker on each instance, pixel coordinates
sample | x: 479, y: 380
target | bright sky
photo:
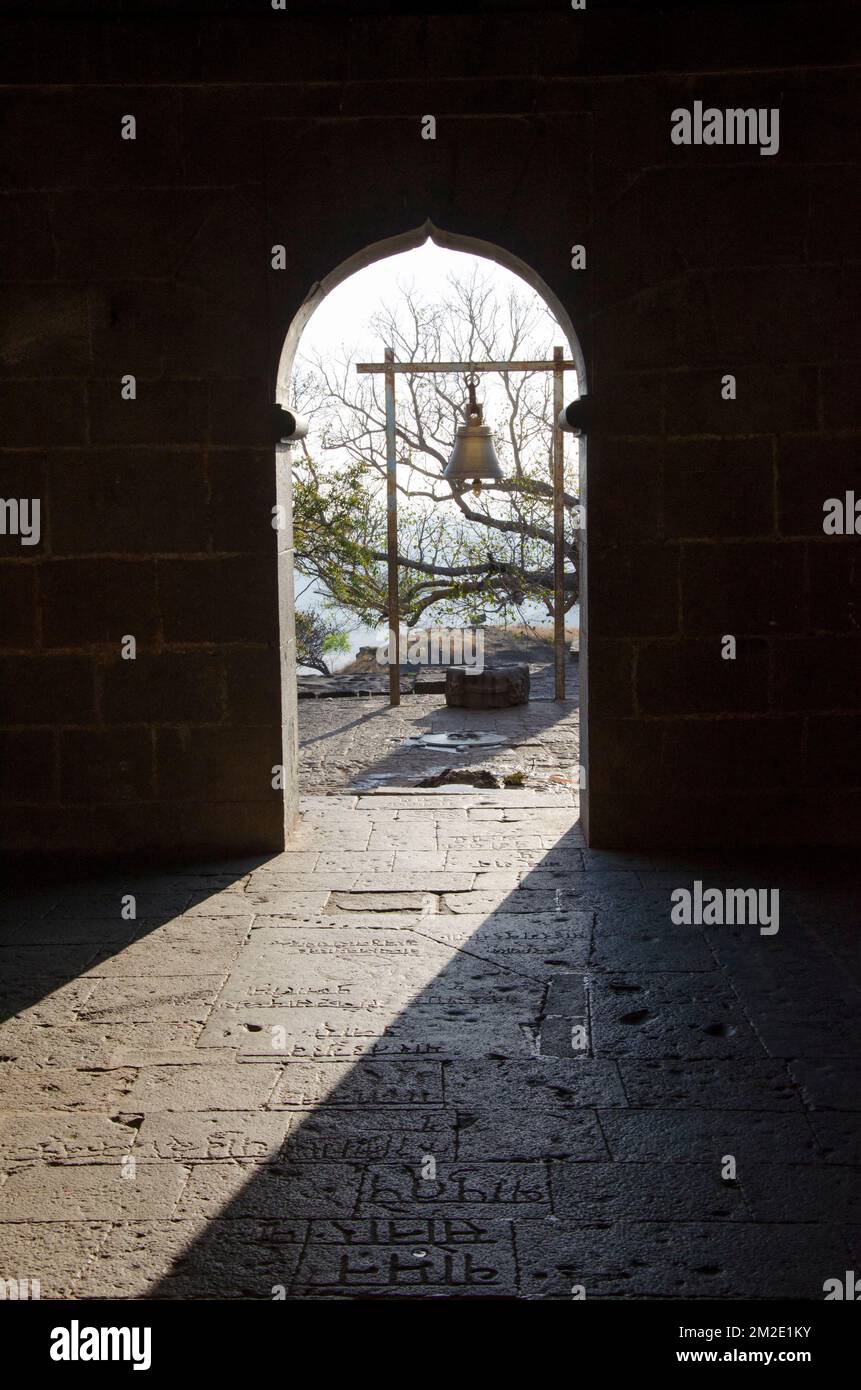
x: 340, y: 325
x: 344, y: 312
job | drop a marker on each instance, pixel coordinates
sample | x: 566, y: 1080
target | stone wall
x: 152, y: 257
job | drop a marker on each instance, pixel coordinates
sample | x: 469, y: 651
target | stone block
x: 670, y: 325
x: 106, y: 765
x: 701, y: 1136
x: 696, y: 1015
x: 253, y: 685
x: 834, y: 206
x: 691, y: 677
x: 743, y: 589
x: 54, y: 1252
x: 597, y: 1193
x: 219, y: 1135
x: 740, y: 216
x: 502, y: 1136
x: 727, y: 755
x: 163, y: 688
x: 27, y: 766
x: 631, y: 403
x: 232, y: 827
x: 467, y: 1191
x: 227, y: 260
x: 828, y: 1084
x: 625, y: 754
x: 64, y: 1089
x: 220, y: 130
x: 754, y: 319
x: 817, y: 673
x: 200, y: 1088
x: 677, y: 1259
x: 181, y: 1260
x: 128, y: 502
x: 64, y: 1139
x: 69, y: 137
x: 33, y: 414
x: 162, y: 413
x: 365, y: 1084
x: 619, y: 272
x: 47, y: 689
x: 811, y: 469
x: 29, y: 829
x: 280, y: 1191
x: 224, y: 599
x: 744, y: 1084
x: 217, y: 764
x: 633, y: 590
x: 835, y: 584
x: 91, y: 1192
x: 715, y: 488
x: 154, y: 998
x: 176, y: 330
x: 98, y: 601
x: 26, y: 246
x: 816, y: 129
x: 240, y: 416
x: 834, y: 750
x: 18, y: 605
x: 44, y: 333
x: 547, y: 1083
x: 629, y: 136
x: 624, y: 491
x: 365, y: 1258
x: 130, y: 234
x: 242, y: 496
x: 496, y: 687
x: 768, y: 400
x: 778, y: 1192
x: 840, y: 387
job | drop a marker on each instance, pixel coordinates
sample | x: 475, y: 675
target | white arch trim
x: 408, y: 241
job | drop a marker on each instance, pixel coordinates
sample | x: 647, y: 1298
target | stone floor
x: 437, y: 1048
x: 360, y: 743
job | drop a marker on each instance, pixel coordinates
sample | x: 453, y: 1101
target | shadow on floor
x: 556, y: 1103
x: 349, y: 743
x: 51, y: 938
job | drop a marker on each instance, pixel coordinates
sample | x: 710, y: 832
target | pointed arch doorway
x: 320, y: 289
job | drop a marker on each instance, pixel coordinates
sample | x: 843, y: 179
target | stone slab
x: 190, y: 1088
x: 94, y: 1192
x: 465, y: 1189
x: 271, y: 1191
x: 443, y: 1258
x: 371, y: 1083
x: 216, y: 1260
x: 343, y: 1034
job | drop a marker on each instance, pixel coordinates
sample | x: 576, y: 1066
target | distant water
x: 360, y: 636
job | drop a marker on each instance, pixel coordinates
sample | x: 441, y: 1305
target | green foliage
x: 316, y: 637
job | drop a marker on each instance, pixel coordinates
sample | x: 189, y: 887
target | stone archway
x: 408, y: 241
x: 376, y: 251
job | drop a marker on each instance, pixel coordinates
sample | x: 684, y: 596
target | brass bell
x: 473, y: 456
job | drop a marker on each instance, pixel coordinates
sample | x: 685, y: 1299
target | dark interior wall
x: 152, y: 257
x: 707, y: 514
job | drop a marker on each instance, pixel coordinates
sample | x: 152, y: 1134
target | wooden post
x: 389, y: 368
x: 394, y: 648
x: 558, y: 528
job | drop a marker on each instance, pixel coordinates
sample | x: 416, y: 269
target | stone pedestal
x: 496, y: 687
